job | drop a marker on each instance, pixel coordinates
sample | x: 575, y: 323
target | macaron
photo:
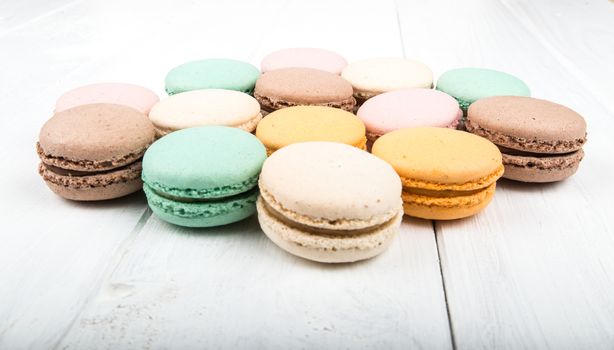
x: 310, y: 123
x: 304, y: 57
x: 288, y: 87
x: 205, y: 107
x: 203, y: 176
x: 468, y: 85
x: 407, y: 109
x: 93, y: 152
x: 329, y: 202
x: 541, y: 141
x: 377, y: 75
x: 446, y: 174
x: 212, y: 73
x: 137, y: 97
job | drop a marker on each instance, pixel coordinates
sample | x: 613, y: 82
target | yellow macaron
x: 310, y: 123
x: 446, y: 174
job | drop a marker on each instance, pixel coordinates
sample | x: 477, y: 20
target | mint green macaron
x: 202, y: 177
x: 213, y: 73
x: 468, y: 85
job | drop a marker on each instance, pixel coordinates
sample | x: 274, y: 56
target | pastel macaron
x: 289, y: 87
x: 205, y: 107
x: 321, y: 59
x: 374, y: 76
x: 541, y: 141
x: 329, y: 202
x: 212, y: 73
x: 468, y: 85
x: 408, y: 108
x: 310, y: 123
x: 203, y: 176
x: 446, y: 174
x: 93, y: 152
x: 137, y: 97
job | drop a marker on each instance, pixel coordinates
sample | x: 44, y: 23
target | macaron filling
x: 88, y: 165
x: 201, y: 193
x: 324, y: 225
x: 305, y: 236
x: 83, y: 179
x: 535, y: 146
x: 203, y: 207
x: 269, y: 104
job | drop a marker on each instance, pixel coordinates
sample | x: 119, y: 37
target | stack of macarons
x: 329, y: 154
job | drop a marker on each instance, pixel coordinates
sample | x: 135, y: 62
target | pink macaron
x: 304, y: 58
x: 129, y: 95
x: 407, y: 109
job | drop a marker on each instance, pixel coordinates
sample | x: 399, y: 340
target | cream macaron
x: 374, y: 76
x: 205, y: 107
x: 329, y: 202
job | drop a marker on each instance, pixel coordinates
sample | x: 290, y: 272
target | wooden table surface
x: 534, y: 270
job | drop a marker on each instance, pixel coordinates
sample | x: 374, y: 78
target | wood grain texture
x: 534, y: 270
x: 231, y: 287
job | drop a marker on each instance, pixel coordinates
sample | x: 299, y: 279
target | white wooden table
x: 534, y: 270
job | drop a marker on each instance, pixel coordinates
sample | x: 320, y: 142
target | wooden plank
x: 535, y: 269
x: 578, y: 34
x: 230, y: 287
x: 16, y: 15
x: 53, y: 263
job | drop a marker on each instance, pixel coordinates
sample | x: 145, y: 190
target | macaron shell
x: 310, y: 123
x: 439, y: 156
x: 321, y: 59
x: 205, y: 107
x: 447, y: 208
x: 214, y: 73
x: 202, y: 214
x: 377, y: 75
x: 137, y: 97
x: 527, y: 124
x: 327, y: 249
x: 95, y: 187
x: 95, y: 137
x: 180, y: 163
x: 470, y: 84
x: 541, y: 169
x: 409, y: 108
x: 332, y: 185
x: 303, y: 86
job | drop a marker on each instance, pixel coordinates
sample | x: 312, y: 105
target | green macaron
x: 468, y: 85
x: 213, y: 73
x: 202, y: 177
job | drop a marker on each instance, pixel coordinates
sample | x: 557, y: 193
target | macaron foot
x: 447, y: 208
x: 326, y: 246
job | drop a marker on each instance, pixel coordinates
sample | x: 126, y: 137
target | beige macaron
x: 329, y: 202
x: 374, y: 76
x: 205, y: 107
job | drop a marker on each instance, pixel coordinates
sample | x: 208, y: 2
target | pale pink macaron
x: 304, y: 57
x: 407, y: 109
x: 134, y: 96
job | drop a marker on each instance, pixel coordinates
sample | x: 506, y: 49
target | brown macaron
x: 541, y: 141
x: 93, y: 152
x: 289, y: 87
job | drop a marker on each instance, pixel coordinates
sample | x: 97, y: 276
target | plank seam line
x: 112, y: 266
x: 557, y: 54
x: 38, y: 18
x: 443, y: 283
x: 396, y: 8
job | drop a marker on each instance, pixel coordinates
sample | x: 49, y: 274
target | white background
x: 534, y: 270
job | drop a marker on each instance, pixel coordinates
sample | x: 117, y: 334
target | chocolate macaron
x: 541, y: 141
x: 288, y: 87
x: 93, y: 152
